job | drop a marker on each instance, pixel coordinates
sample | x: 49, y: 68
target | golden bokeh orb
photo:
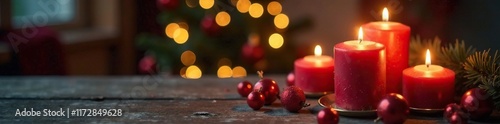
x: 181, y: 35
x: 276, y: 41
x: 222, y: 18
x: 183, y: 72
x: 274, y: 8
x: 239, y: 72
x: 188, y: 58
x: 256, y: 10
x: 243, y: 5
x: 223, y: 62
x: 170, y: 29
x: 207, y: 4
x: 281, y: 21
x: 193, y: 72
x: 224, y: 72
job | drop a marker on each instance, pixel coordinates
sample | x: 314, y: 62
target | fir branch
x: 483, y: 70
x: 453, y: 57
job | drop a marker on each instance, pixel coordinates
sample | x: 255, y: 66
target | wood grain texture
x: 170, y: 100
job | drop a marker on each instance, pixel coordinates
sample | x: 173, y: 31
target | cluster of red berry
x: 266, y: 91
x: 475, y: 104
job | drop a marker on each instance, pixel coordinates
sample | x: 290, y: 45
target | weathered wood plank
x: 208, y: 87
x: 178, y: 111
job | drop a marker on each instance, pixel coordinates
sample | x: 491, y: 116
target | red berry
x: 457, y: 118
x: 252, y: 53
x: 244, y: 88
x: 255, y: 100
x: 290, y: 79
x: 269, y: 88
x: 477, y: 102
x: 328, y: 116
x: 393, y: 109
x: 293, y: 99
x: 167, y: 4
x: 147, y: 65
x: 450, y: 109
x: 209, y: 26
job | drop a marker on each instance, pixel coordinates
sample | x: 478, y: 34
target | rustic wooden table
x: 153, y: 99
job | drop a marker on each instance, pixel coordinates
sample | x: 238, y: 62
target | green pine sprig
x: 483, y: 70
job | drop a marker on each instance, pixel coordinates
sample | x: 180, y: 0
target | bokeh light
x: 191, y: 3
x: 188, y: 58
x: 183, y: 25
x: 170, y: 29
x: 224, y: 72
x: 183, y: 72
x: 276, y: 40
x: 243, y: 5
x: 193, y: 72
x: 261, y: 65
x: 239, y: 72
x: 223, y: 62
x: 234, y: 2
x: 256, y: 10
x: 281, y: 21
x: 206, y: 4
x: 222, y: 18
x: 274, y: 8
x: 181, y: 35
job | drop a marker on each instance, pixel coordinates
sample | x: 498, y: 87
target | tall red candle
x: 359, y: 74
x: 314, y: 73
x: 395, y: 37
x: 428, y: 86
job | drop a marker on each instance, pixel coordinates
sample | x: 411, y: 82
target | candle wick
x: 360, y: 41
x: 427, y: 66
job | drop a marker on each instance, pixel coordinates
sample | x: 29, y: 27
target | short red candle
x: 314, y: 73
x: 395, y: 37
x: 359, y: 74
x: 428, y: 86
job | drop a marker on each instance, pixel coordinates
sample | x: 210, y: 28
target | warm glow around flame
x: 360, y: 34
x: 385, y: 14
x: 317, y: 50
x: 428, y: 58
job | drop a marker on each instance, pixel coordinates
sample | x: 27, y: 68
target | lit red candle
x: 428, y: 86
x: 395, y: 37
x: 314, y: 73
x: 359, y: 74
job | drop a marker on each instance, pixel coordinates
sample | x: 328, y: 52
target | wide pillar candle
x: 395, y: 37
x: 359, y: 75
x: 314, y: 73
x: 428, y: 86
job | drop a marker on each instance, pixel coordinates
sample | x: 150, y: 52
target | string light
x: 274, y: 8
x: 181, y: 35
x: 193, y: 72
x: 239, y: 72
x: 281, y: 21
x: 224, y: 72
x: 256, y: 10
x: 222, y: 18
x: 276, y: 41
x: 188, y: 58
x: 243, y: 5
x: 206, y: 4
x: 170, y: 29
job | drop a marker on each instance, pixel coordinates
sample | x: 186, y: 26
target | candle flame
x: 385, y: 14
x: 360, y: 34
x: 428, y: 58
x: 317, y: 50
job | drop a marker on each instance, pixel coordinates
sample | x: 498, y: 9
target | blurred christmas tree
x: 213, y: 36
